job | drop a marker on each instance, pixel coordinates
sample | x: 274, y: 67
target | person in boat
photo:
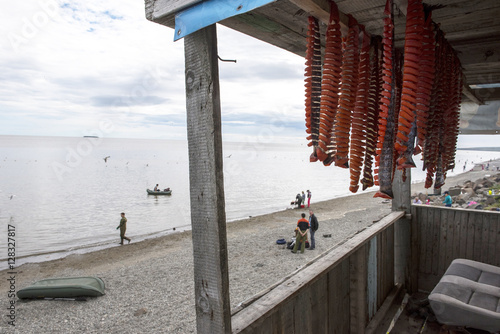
x: 123, y: 228
x: 166, y: 189
x: 156, y: 188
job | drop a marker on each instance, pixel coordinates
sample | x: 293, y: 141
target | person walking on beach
x: 313, y: 227
x: 309, y: 195
x: 303, y: 225
x: 447, y: 200
x: 123, y: 228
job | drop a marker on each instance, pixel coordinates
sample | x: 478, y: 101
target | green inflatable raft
x: 66, y: 287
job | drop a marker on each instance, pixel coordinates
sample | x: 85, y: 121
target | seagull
x: 229, y: 156
x: 12, y: 196
x: 106, y: 158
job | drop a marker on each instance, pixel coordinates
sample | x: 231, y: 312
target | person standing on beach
x: 313, y: 227
x: 303, y: 197
x: 303, y: 225
x: 123, y: 228
x: 447, y: 200
x: 309, y: 195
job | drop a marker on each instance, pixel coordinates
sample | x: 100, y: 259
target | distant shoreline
x: 485, y: 149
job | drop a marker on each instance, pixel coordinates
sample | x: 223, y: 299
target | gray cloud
x: 125, y: 101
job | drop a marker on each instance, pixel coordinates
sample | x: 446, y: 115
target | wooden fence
x: 340, y: 292
x: 440, y: 235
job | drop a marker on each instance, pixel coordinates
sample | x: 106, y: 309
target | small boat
x: 64, y: 287
x: 160, y: 192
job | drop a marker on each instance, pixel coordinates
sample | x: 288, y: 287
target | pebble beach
x: 149, y: 284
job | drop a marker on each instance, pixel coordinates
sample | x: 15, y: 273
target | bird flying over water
x: 106, y: 158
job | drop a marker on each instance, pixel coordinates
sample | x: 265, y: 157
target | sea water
x: 65, y: 195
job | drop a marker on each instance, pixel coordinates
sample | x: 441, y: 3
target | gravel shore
x: 149, y: 284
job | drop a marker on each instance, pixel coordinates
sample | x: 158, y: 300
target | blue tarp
x: 209, y: 12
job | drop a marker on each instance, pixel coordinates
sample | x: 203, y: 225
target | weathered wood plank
x: 374, y: 250
x: 451, y: 245
x: 163, y: 8
x: 302, y: 309
x: 338, y: 298
x: 321, y: 10
x: 435, y: 231
x: 208, y: 218
x: 284, y: 318
x: 319, y: 308
x: 478, y: 237
x: 428, y: 239
x: 485, y: 238
x: 415, y: 247
x: 381, y: 321
x: 441, y: 246
x: 492, y: 240
x: 389, y: 261
x: 471, y: 229
x: 462, y: 253
x: 402, y: 250
x: 496, y: 221
x: 358, y: 290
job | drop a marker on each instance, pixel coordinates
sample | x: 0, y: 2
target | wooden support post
x: 208, y: 218
x: 401, y: 191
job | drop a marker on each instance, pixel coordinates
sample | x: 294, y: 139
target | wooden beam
x: 208, y: 216
x: 163, y: 8
x: 320, y: 9
x: 470, y: 95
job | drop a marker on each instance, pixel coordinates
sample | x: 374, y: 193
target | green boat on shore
x: 64, y: 287
x: 159, y: 192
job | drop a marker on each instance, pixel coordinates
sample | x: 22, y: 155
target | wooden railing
x: 340, y: 292
x: 440, y: 235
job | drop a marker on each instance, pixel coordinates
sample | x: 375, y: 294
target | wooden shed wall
x: 440, y: 235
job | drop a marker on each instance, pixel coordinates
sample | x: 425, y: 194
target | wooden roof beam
x: 469, y: 93
x: 320, y: 9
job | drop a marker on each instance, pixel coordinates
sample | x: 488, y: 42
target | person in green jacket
x: 123, y: 228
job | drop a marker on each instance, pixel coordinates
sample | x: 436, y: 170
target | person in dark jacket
x: 298, y: 200
x: 123, y: 228
x: 313, y: 227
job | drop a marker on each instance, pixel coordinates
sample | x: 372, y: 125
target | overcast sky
x: 74, y: 68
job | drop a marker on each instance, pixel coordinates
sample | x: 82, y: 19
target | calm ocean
x: 63, y: 197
